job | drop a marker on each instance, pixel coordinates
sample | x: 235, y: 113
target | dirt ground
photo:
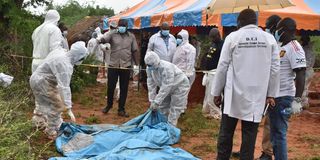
x: 303, y: 135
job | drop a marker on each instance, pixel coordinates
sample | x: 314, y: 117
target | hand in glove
x: 71, y: 115
x: 154, y: 106
x: 296, y: 105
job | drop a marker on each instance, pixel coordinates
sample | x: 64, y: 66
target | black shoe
x: 264, y: 156
x: 123, y: 114
x: 106, y: 109
x: 235, y: 154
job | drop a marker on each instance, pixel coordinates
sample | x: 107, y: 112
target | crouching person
x: 172, y: 96
x: 50, y: 84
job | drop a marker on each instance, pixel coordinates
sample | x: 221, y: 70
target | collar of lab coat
x: 169, y: 36
x: 249, y: 26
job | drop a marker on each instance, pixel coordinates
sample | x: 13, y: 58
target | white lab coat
x: 157, y: 45
x: 248, y: 73
x: 46, y: 38
x: 185, y: 55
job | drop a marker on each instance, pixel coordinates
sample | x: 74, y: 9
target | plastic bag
x: 5, y: 80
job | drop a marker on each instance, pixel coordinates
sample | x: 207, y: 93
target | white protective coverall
x: 93, y: 44
x: 99, y: 54
x: 46, y: 38
x: 184, y: 57
x: 209, y: 109
x: 157, y: 44
x: 173, y: 85
x: 50, y: 84
x: 248, y: 73
x: 64, y: 42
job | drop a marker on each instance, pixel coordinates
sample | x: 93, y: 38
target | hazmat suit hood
x: 78, y: 53
x: 52, y: 16
x: 152, y: 59
x: 185, y: 36
x: 94, y: 35
x: 98, y: 31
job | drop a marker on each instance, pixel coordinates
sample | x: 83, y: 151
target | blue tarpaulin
x: 147, y: 136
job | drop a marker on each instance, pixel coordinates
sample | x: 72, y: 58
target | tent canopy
x: 151, y: 13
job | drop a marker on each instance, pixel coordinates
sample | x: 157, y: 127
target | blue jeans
x: 279, y: 117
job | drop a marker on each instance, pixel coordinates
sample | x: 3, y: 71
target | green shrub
x: 92, y: 120
x: 316, y: 49
x: 72, y: 12
x: 18, y: 139
x: 84, y: 76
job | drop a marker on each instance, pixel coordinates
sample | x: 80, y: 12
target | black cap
x: 287, y: 24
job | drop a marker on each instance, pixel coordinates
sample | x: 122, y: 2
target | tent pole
x: 141, y: 36
x: 207, y: 16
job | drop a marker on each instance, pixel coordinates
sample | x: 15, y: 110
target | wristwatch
x: 298, y: 99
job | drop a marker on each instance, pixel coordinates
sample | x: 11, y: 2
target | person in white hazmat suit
x: 101, y: 57
x: 248, y: 76
x: 64, y: 30
x: 46, y: 38
x: 172, y: 97
x: 93, y: 44
x: 50, y: 84
x: 185, y: 55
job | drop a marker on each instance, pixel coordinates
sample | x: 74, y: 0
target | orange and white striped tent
x: 151, y: 13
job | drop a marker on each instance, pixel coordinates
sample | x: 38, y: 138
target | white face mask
x: 65, y: 33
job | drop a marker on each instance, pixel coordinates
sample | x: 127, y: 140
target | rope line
x: 123, y: 68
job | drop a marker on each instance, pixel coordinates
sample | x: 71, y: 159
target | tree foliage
x: 73, y: 12
x: 19, y: 140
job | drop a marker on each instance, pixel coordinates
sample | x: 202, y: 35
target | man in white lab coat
x: 248, y: 75
x: 163, y: 43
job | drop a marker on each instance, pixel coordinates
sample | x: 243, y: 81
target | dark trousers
x: 225, y: 140
x: 124, y: 76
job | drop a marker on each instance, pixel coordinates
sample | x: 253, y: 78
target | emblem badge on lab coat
x: 282, y: 53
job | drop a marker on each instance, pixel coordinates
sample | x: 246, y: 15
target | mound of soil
x: 83, y: 29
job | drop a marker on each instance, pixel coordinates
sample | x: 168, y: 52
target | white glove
x: 71, y: 115
x: 189, y: 73
x: 135, y: 70
x: 154, y: 106
x: 296, y: 105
